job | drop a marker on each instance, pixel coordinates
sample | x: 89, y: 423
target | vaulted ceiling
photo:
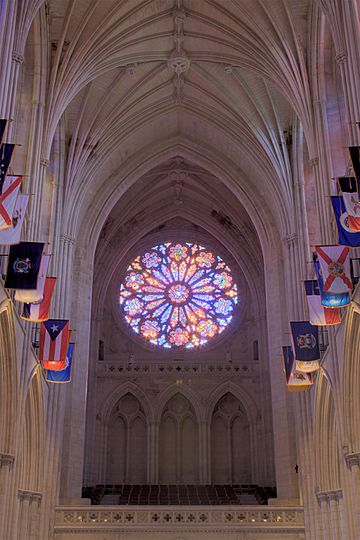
x: 180, y: 108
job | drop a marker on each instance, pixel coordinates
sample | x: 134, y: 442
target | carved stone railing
x: 186, y: 518
x: 120, y: 369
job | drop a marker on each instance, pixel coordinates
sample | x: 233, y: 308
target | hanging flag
x: 349, y: 188
x: 335, y: 268
x: 11, y: 235
x: 347, y: 237
x: 355, y: 158
x: 8, y: 198
x: 35, y: 295
x: 296, y: 381
x: 305, y: 345
x: 54, y: 341
x: 319, y: 315
x: 3, y: 123
x: 6, y: 151
x: 330, y: 300
x: 39, y: 312
x: 64, y: 375
x: 307, y: 366
x: 24, y: 265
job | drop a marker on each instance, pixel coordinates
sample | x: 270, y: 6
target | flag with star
x: 54, y: 340
x: 63, y: 375
x: 6, y: 152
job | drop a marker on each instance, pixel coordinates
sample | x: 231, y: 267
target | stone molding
x: 6, y: 459
x: 171, y: 519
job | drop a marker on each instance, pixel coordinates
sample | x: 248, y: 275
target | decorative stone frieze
x: 118, y: 369
x: 170, y: 518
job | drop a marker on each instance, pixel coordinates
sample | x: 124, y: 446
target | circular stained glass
x: 178, y: 295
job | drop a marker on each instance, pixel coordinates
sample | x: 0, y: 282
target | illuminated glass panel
x: 178, y: 295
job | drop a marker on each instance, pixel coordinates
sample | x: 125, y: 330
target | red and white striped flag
x: 54, y: 340
x: 40, y: 312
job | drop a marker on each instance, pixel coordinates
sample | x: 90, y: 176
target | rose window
x: 178, y: 295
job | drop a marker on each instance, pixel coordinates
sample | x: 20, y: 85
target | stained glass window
x: 178, y: 295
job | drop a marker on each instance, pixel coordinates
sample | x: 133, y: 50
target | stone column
x: 6, y: 466
x: 153, y: 460
x: 352, y: 460
x: 28, y: 523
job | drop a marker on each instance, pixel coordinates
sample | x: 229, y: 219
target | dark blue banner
x: 23, y: 265
x: 305, y: 339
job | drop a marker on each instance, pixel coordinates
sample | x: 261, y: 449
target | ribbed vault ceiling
x: 215, y: 84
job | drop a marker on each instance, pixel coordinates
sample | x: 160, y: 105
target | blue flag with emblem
x: 331, y: 300
x: 6, y: 152
x: 63, y: 376
x: 24, y: 265
x: 305, y: 341
x: 347, y: 237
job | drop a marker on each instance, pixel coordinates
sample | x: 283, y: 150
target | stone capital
x: 25, y: 494
x: 44, y: 162
x: 290, y: 239
x: 341, y: 57
x: 17, y: 58
x: 6, y: 460
x: 352, y: 459
x: 314, y: 161
x: 67, y: 238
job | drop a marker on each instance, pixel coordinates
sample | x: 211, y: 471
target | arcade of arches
x: 217, y: 123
